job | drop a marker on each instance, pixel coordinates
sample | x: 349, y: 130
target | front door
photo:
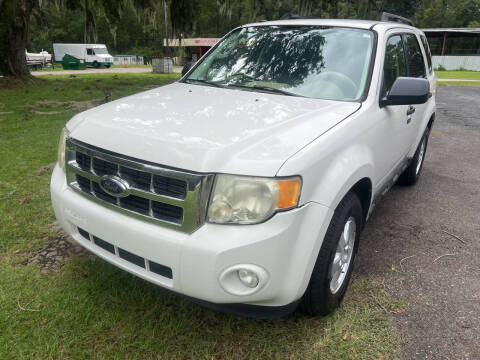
x: 391, y: 132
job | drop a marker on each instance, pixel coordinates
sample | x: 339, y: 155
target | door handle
x: 411, y: 110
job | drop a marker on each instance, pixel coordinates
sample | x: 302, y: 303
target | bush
x: 440, y: 68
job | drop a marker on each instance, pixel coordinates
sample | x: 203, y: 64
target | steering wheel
x: 343, y: 82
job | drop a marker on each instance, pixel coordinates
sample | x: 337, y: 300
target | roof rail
x: 395, y: 18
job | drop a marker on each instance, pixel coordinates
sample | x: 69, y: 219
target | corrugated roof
x: 455, y: 30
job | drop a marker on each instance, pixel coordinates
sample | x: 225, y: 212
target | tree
x: 14, y: 20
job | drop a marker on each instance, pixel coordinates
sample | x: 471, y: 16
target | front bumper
x: 284, y: 246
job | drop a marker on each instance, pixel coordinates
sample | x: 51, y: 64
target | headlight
x: 61, y: 148
x: 250, y: 200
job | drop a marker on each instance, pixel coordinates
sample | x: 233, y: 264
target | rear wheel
x: 412, y: 173
x: 334, y: 265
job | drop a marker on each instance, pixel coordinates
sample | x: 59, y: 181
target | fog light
x: 248, y: 278
x: 243, y: 279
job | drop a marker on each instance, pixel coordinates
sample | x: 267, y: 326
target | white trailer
x: 37, y: 61
x: 95, y: 55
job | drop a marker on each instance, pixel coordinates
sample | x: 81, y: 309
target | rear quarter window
x: 416, y: 65
x: 426, y: 47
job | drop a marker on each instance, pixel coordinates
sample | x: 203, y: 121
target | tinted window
x: 395, y: 64
x: 416, y: 66
x: 427, y: 51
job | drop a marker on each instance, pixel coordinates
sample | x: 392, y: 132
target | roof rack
x: 290, y: 16
x: 395, y: 18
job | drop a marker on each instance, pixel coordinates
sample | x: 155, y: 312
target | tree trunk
x: 14, y: 19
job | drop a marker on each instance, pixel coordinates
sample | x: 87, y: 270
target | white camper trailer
x: 95, y: 55
x: 36, y: 61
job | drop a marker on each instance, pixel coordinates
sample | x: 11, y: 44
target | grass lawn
x: 467, y: 75
x: 91, y: 310
x: 460, y: 83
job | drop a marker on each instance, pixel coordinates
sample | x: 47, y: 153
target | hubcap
x: 421, y: 155
x: 343, y: 255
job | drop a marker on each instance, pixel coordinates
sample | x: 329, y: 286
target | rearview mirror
x: 407, y: 91
x: 187, y: 67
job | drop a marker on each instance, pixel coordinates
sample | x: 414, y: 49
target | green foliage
x: 457, y: 74
x: 447, y: 13
x: 138, y: 26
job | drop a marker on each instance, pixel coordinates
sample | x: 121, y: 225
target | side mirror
x: 187, y: 67
x: 407, y: 91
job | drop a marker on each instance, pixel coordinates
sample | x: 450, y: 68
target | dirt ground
x: 113, y: 70
x: 424, y: 241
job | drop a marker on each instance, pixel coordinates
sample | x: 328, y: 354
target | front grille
x: 171, y: 198
x: 102, y: 167
x: 154, y: 267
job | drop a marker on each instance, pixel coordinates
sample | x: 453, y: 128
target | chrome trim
x: 194, y: 204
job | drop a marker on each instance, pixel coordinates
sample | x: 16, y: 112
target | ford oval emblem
x: 114, y: 186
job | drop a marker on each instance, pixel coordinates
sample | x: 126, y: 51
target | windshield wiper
x: 208, y: 82
x: 266, y: 88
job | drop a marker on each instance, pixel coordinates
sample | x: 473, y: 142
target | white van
x: 95, y: 55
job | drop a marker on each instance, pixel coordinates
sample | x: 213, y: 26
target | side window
x: 395, y: 65
x: 416, y: 66
x: 427, y: 52
x: 89, y: 51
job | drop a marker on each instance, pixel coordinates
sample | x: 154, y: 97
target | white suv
x: 245, y: 185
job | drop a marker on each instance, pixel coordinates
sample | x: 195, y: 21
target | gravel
x: 424, y: 240
x: 54, y: 254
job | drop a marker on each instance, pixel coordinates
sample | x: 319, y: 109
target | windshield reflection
x: 311, y: 61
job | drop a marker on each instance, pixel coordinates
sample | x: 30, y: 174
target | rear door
x: 417, y: 69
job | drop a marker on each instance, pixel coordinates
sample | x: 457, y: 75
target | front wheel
x: 96, y: 64
x: 334, y: 265
x: 107, y: 66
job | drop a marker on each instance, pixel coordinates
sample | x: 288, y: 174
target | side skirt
x: 389, y: 183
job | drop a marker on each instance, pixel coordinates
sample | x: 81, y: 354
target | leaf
x: 24, y: 200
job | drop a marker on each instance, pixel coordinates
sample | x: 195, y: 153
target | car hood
x: 209, y: 129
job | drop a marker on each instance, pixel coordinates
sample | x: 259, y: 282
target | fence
x: 450, y: 62
x: 127, y: 59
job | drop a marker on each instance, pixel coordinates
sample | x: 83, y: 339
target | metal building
x: 455, y: 48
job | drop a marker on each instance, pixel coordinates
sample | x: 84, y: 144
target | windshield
x: 100, y: 51
x: 311, y: 61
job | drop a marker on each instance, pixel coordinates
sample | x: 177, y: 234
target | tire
x: 96, y: 65
x: 107, y: 66
x: 412, y: 173
x: 324, y: 294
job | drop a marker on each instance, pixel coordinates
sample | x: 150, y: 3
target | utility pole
x: 85, y: 3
